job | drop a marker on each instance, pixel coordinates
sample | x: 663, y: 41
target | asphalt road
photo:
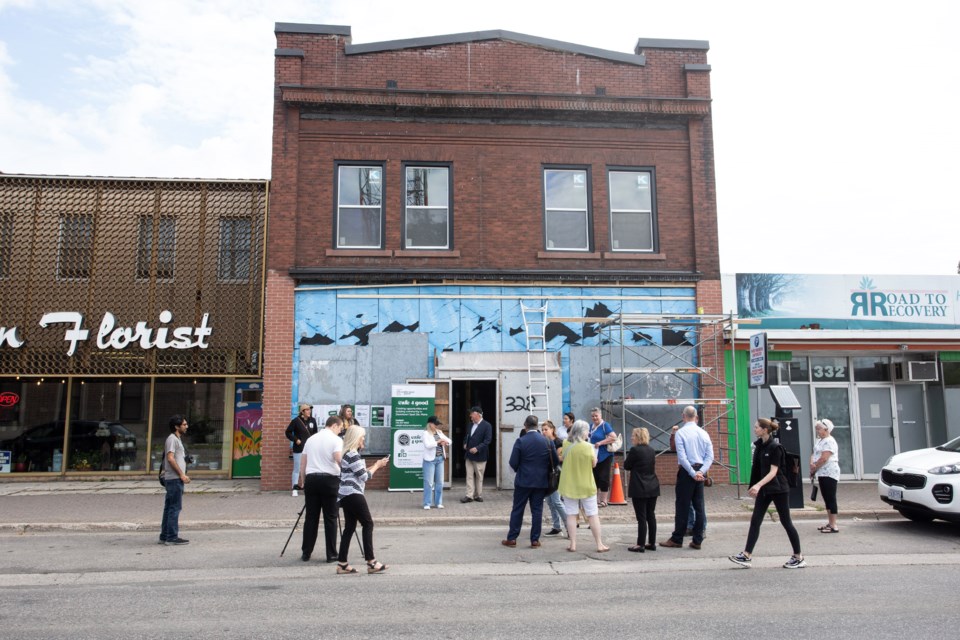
x: 878, y: 579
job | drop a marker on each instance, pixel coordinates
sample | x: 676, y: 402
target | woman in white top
x: 435, y: 445
x: 825, y: 467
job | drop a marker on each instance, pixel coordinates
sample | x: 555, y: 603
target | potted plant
x: 22, y: 463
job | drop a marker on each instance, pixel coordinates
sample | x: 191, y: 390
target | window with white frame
x: 359, y: 207
x: 632, y: 221
x: 75, y: 246
x: 156, y: 237
x: 426, y: 223
x: 6, y: 243
x: 234, y: 249
x: 566, y: 209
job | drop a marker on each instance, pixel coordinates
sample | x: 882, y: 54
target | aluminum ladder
x: 538, y: 387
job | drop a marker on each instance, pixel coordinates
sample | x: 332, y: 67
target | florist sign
x: 111, y: 335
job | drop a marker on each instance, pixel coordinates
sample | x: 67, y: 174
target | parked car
x: 923, y: 484
x: 94, y: 445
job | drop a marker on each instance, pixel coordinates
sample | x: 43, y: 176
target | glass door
x: 834, y: 403
x: 877, y: 430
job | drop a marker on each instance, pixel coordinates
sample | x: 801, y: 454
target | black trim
x: 380, y: 275
x: 665, y: 43
x: 288, y: 53
x: 320, y: 29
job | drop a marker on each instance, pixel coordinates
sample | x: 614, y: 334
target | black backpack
x: 791, y: 468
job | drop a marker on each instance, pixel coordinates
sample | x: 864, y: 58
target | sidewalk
x: 136, y: 504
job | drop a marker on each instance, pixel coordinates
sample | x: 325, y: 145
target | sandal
x: 344, y: 568
x: 376, y: 567
x: 602, y: 505
x: 828, y: 529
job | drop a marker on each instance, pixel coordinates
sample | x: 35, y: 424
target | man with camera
x: 174, y: 477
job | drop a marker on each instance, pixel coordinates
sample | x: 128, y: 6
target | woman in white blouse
x: 825, y: 467
x: 435, y: 445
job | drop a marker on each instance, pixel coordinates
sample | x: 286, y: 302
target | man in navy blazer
x: 476, y: 447
x: 532, y: 458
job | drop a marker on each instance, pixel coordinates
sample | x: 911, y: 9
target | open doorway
x: 466, y: 394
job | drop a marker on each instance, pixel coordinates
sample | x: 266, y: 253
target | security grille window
x: 427, y: 212
x: 632, y: 224
x: 359, y: 207
x: 6, y: 243
x: 156, y: 240
x: 235, y: 240
x: 566, y: 213
x: 75, y: 248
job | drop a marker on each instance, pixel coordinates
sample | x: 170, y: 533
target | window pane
x: 6, y: 243
x: 829, y: 369
x: 871, y: 369
x: 630, y: 190
x: 834, y: 403
x: 76, y: 246
x: 567, y: 230
x: 164, y: 246
x: 360, y: 186
x: 32, y: 423
x: 799, y: 371
x: 359, y: 228
x: 202, y: 404
x: 235, y: 240
x: 99, y: 440
x: 632, y: 231
x: 565, y: 189
x: 428, y: 186
x: 427, y: 228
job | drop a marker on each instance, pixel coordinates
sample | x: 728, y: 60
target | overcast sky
x: 835, y: 123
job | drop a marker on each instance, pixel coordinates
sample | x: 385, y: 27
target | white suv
x: 923, y: 484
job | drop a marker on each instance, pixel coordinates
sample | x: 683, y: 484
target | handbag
x: 616, y: 445
x: 815, y: 489
x: 553, y: 476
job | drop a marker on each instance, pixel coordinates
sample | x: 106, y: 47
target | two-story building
x: 426, y: 191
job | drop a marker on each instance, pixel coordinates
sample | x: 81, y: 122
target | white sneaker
x: 439, y: 506
x: 294, y: 493
x: 426, y: 507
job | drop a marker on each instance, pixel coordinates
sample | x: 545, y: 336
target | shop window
x: 829, y: 370
x: 32, y: 415
x: 426, y: 223
x: 233, y: 263
x: 202, y: 403
x: 871, y: 369
x: 156, y: 239
x: 75, y: 247
x: 799, y: 370
x: 359, y: 216
x: 567, y: 209
x: 6, y: 243
x: 632, y: 217
x: 104, y: 434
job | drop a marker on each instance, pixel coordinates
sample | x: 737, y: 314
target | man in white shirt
x: 694, y: 457
x: 320, y: 479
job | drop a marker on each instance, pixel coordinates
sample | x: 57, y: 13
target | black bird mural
x: 361, y: 333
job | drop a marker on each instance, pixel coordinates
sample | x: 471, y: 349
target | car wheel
x: 916, y: 516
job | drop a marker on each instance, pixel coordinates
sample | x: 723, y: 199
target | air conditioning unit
x: 923, y: 371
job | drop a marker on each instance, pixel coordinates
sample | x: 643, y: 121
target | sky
x: 835, y: 123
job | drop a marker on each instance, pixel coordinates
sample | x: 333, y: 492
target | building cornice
x: 353, y: 275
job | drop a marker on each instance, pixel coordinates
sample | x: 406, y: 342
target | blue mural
x: 481, y: 319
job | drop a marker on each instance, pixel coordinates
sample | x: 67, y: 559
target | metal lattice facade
x: 166, y: 274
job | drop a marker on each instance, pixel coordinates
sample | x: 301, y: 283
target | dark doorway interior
x: 466, y: 394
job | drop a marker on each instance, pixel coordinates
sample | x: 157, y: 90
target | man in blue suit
x: 531, y: 459
x: 476, y: 447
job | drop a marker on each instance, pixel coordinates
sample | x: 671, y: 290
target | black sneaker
x: 177, y: 541
x: 795, y: 563
x: 741, y: 559
x: 553, y: 532
x: 466, y: 499
x: 478, y: 499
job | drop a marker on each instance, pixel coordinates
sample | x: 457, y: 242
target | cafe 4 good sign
x: 411, y: 405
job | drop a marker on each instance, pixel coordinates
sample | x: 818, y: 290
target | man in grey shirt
x: 174, y: 477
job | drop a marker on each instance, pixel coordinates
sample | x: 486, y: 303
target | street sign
x: 758, y: 359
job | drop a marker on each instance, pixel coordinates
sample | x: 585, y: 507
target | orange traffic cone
x: 616, y: 491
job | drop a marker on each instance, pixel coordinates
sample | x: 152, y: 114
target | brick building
x: 425, y: 191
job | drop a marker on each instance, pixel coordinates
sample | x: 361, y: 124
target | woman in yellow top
x: 577, y: 485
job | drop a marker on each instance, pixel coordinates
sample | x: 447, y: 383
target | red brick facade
x: 497, y: 108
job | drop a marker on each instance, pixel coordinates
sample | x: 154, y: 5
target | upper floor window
x: 75, y: 246
x: 235, y: 244
x: 566, y: 209
x: 359, y: 220
x: 426, y: 222
x: 158, y: 240
x: 632, y: 220
x: 6, y: 243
